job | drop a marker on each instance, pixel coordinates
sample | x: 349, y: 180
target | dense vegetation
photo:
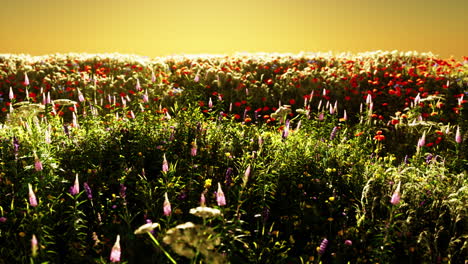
x: 257, y: 158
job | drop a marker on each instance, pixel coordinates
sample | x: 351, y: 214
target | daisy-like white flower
x: 146, y: 228
x: 205, y: 212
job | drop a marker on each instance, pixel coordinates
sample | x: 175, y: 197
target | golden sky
x: 159, y: 28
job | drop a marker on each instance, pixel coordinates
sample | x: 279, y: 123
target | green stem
x: 162, y: 249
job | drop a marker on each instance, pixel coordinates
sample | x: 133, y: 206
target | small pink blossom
x: 165, y: 165
x: 26, y: 79
x: 210, y: 103
x: 116, y: 251
x: 11, y: 95
x: 220, y: 198
x: 202, y: 200
x: 38, y: 164
x: 396, y: 195
x: 32, y: 196
x: 422, y: 140
x: 138, y: 86
x: 75, y: 189
x: 458, y: 137
x: 193, y: 150
x: 34, y: 245
x: 80, y: 96
x: 166, y: 206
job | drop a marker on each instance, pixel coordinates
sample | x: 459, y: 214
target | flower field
x: 249, y: 158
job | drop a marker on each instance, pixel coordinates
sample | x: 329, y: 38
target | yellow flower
x: 207, y: 183
x: 331, y: 199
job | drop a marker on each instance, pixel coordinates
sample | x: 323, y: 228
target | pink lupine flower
x: 202, y: 199
x: 153, y: 77
x: 138, y: 86
x: 368, y: 99
x: 286, y: 130
x: 396, y: 195
x: 26, y: 79
x: 197, y: 78
x: 193, y: 150
x: 331, y: 109
x: 348, y: 242
x: 165, y: 165
x: 245, y: 179
x: 38, y: 164
x: 32, y: 197
x: 422, y: 140
x: 124, y: 102
x: 11, y: 95
x: 298, y: 126
x: 458, y: 137
x: 417, y: 99
x: 74, y: 120
x: 166, y: 206
x: 116, y: 251
x: 80, y: 96
x: 47, y: 138
x: 220, y: 198
x: 210, y: 103
x: 320, y: 116
x: 75, y: 189
x: 34, y: 245
x: 145, y: 97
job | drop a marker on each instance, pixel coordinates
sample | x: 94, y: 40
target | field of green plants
x: 249, y: 158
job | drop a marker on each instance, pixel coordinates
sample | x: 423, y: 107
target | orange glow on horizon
x: 159, y: 28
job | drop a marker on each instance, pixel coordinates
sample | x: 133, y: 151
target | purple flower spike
x: 323, y: 246
x: 89, y: 193
x: 123, y: 191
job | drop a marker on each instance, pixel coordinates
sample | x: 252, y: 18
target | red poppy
x: 379, y: 137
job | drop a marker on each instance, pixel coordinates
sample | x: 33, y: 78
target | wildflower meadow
x: 246, y: 158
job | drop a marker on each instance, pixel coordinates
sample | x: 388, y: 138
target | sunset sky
x: 159, y: 28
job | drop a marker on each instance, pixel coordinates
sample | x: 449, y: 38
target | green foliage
x: 291, y: 177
